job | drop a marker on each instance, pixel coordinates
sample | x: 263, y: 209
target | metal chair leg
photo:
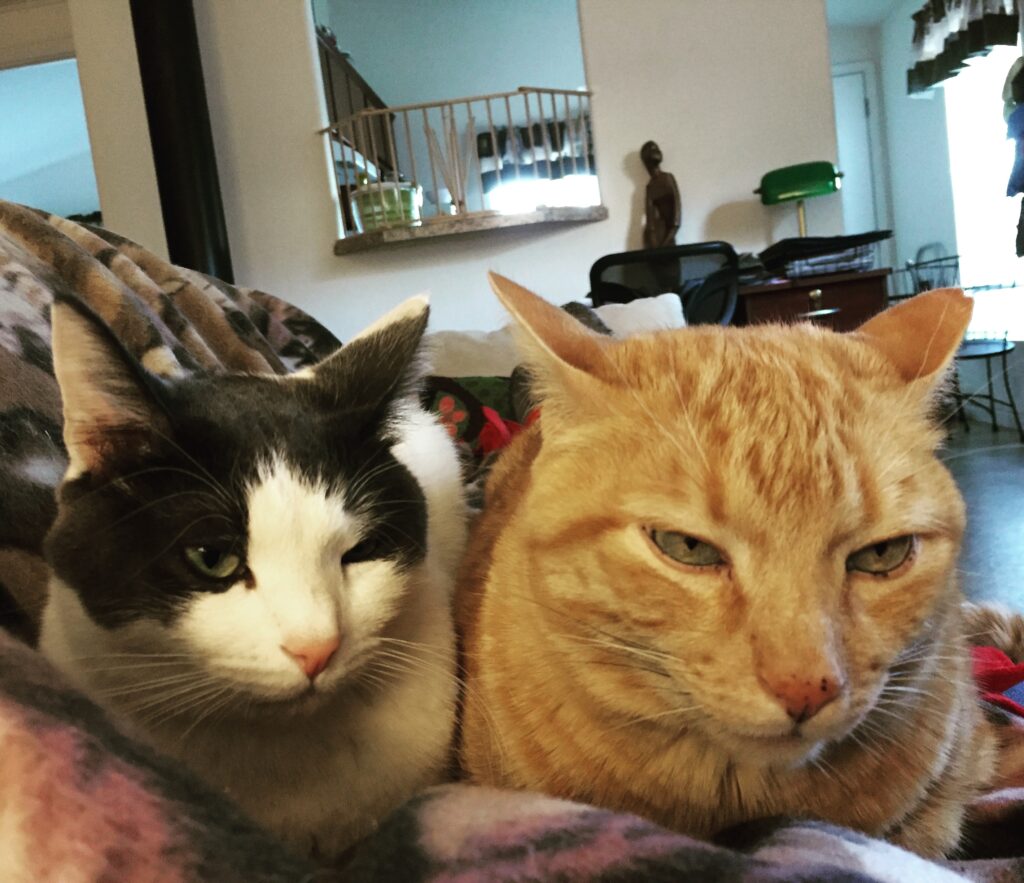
x: 1009, y: 395
x: 991, y: 394
x: 960, y: 399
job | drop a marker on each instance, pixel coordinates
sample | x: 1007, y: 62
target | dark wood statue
x: 663, y: 208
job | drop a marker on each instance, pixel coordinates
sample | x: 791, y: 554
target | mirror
x: 457, y: 110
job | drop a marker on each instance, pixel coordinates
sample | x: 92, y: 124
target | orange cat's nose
x: 313, y: 657
x: 802, y: 697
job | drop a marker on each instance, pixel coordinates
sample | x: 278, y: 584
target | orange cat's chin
x: 784, y: 746
x: 787, y: 751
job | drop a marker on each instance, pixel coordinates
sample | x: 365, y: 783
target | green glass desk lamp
x: 799, y: 182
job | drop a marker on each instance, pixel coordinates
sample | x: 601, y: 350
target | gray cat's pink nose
x: 314, y: 656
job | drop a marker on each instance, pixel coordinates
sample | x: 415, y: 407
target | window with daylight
x: 981, y: 157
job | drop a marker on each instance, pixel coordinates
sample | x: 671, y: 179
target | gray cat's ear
x: 919, y: 337
x: 109, y: 408
x: 381, y: 365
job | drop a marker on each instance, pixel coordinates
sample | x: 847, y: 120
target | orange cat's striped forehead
x: 765, y: 420
x: 792, y: 425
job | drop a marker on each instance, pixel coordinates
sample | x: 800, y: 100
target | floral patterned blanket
x: 79, y: 801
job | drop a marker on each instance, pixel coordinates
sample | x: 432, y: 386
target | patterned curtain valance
x: 948, y: 32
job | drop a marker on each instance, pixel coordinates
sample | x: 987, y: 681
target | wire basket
x: 937, y: 273
x: 850, y: 260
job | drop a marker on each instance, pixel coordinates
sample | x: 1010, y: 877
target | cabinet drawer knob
x: 815, y: 297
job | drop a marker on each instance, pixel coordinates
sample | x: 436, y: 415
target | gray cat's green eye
x: 213, y: 562
x: 883, y: 557
x: 686, y: 549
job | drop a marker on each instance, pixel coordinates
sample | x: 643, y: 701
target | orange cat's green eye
x: 882, y: 557
x: 686, y: 549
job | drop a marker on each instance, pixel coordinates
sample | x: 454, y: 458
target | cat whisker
x: 171, y: 544
x: 633, y: 653
x: 366, y: 676
x: 390, y: 530
x: 217, y: 703
x: 207, y: 477
x: 898, y: 688
x: 398, y: 662
x: 363, y: 478
x: 149, y: 686
x: 686, y: 413
x: 629, y: 666
x: 151, y: 708
x: 139, y: 666
x: 655, y: 419
x: 149, y: 470
x: 587, y: 626
x: 436, y: 652
x: 865, y: 742
x: 128, y: 655
x: 156, y: 667
x: 922, y: 715
x: 827, y: 770
x: 973, y: 451
x: 650, y: 718
x: 152, y: 504
x: 178, y: 705
x: 188, y: 678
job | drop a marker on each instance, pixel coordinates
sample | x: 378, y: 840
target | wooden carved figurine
x: 663, y: 209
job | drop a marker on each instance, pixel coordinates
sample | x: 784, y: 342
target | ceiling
x: 860, y: 13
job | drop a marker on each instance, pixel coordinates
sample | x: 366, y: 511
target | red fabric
x: 497, y: 432
x: 995, y: 672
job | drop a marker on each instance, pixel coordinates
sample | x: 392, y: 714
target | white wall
x: 922, y: 194
x: 108, y: 67
x: 435, y: 51
x: 852, y: 47
x: 32, y: 31
x: 725, y: 101
x: 45, y: 160
x: 670, y: 74
x: 65, y: 187
x: 848, y: 44
x: 664, y: 74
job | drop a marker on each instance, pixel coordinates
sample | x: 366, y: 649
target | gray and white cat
x: 254, y: 573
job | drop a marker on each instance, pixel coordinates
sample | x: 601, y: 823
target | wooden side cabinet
x: 840, y: 301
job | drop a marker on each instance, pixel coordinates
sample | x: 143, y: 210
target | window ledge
x: 466, y: 225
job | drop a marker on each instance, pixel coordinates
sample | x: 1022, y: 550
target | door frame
x: 879, y: 152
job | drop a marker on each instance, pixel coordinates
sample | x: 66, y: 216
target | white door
x: 853, y: 132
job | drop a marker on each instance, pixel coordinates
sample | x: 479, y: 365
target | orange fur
x: 601, y: 670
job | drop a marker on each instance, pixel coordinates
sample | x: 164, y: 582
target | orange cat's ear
x: 920, y: 336
x: 551, y: 333
x: 566, y: 359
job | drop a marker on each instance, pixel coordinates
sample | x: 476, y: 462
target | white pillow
x: 643, y: 314
x: 473, y: 353
x: 494, y: 353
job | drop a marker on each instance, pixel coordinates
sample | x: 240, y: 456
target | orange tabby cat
x: 717, y: 581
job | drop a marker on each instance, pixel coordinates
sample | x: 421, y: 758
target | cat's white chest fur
x: 321, y: 774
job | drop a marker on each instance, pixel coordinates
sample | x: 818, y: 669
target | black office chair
x: 705, y: 275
